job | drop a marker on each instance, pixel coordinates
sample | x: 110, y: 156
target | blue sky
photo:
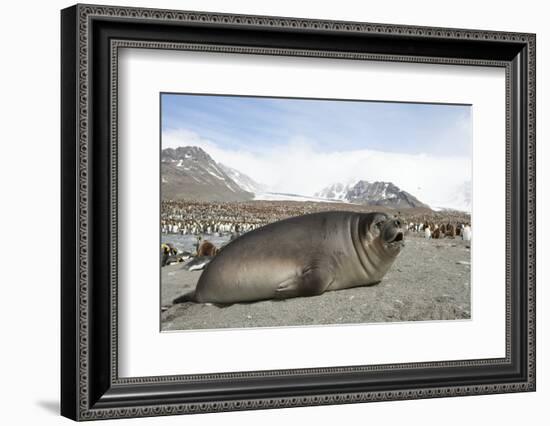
x: 256, y: 124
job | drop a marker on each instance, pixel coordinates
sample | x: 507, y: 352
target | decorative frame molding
x: 91, y: 37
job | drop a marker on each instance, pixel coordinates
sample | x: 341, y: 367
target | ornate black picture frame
x: 90, y: 385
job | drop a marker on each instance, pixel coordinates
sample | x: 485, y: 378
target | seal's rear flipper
x: 187, y: 297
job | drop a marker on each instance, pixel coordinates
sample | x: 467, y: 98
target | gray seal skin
x: 301, y: 256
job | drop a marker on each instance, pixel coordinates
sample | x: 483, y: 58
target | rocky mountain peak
x: 188, y: 172
x: 372, y: 193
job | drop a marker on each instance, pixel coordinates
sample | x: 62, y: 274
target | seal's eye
x: 377, y: 223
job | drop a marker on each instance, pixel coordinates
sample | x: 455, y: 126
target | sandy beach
x: 430, y: 280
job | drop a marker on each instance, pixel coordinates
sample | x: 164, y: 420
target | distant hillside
x: 190, y: 173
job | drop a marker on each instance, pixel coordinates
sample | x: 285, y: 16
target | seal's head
x: 389, y: 231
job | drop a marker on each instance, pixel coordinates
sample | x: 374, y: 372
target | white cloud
x: 296, y: 166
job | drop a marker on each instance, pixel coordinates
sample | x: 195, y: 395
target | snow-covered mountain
x: 336, y: 191
x: 244, y: 181
x: 372, y: 193
x: 190, y: 173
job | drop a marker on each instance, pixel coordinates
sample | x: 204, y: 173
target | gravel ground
x: 430, y: 280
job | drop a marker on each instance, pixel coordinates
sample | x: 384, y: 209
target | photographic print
x: 299, y: 212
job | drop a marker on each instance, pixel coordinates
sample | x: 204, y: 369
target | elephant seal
x: 301, y: 256
x: 207, y: 249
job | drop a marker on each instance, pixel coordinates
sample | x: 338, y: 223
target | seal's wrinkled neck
x: 366, y: 232
x: 359, y: 240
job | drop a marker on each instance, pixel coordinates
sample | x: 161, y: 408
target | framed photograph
x: 263, y: 212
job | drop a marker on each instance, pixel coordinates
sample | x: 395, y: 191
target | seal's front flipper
x: 315, y: 280
x: 288, y: 288
x: 311, y: 282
